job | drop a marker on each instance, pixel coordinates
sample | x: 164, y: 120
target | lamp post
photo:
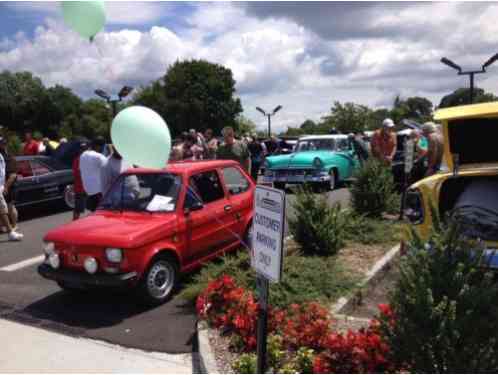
x: 269, y: 115
x: 124, y: 92
x: 470, y: 73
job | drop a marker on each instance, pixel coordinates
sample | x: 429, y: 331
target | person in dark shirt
x: 359, y: 147
x: 257, y: 153
x: 272, y: 145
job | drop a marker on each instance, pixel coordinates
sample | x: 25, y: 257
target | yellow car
x: 466, y: 189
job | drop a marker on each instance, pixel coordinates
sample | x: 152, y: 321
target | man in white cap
x: 384, y: 142
x: 435, y: 147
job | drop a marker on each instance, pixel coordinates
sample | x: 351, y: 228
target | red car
x: 151, y: 226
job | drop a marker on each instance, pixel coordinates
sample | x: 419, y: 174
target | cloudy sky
x: 303, y: 55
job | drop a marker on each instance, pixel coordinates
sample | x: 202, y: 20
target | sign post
x: 409, y: 154
x: 266, y: 255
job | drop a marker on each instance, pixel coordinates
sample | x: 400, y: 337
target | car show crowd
x: 96, y: 165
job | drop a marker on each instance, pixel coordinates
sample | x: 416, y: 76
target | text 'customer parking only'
x: 268, y: 230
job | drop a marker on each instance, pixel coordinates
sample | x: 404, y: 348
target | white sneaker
x: 15, y: 236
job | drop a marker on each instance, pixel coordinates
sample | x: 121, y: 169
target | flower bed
x: 302, y: 338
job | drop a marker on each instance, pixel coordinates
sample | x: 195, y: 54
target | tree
x: 61, y: 104
x: 194, y: 94
x: 243, y: 125
x: 461, y: 96
x: 96, y: 118
x: 23, y: 100
x: 308, y: 127
x: 348, y: 118
x: 378, y: 116
x: 294, y: 132
x: 415, y: 108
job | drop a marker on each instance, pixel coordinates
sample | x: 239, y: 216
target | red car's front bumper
x: 83, y: 279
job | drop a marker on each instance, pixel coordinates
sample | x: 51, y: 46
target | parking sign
x: 268, y: 232
x: 409, y: 154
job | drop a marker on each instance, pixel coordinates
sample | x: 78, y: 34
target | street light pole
x: 470, y: 73
x: 269, y: 125
x: 124, y: 92
x: 269, y: 115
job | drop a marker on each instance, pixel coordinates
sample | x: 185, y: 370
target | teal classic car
x: 322, y: 160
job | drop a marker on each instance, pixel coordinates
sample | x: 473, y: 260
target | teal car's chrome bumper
x: 290, y: 177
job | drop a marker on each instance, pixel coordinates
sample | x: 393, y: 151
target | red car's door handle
x: 228, y: 208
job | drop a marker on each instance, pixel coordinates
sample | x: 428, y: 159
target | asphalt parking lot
x: 114, y: 317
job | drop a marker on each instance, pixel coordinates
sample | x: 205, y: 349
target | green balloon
x: 87, y: 18
x: 142, y: 137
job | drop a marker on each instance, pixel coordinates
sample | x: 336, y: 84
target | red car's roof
x: 180, y: 167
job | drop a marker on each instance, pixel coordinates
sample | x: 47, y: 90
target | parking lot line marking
x: 23, y: 264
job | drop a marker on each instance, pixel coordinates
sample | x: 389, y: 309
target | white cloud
x: 275, y: 60
x: 117, y: 12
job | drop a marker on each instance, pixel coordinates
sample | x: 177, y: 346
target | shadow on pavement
x: 41, y: 210
x: 118, y: 318
x: 86, y: 309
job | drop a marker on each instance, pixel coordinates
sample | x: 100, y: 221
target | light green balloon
x: 142, y: 137
x: 87, y: 18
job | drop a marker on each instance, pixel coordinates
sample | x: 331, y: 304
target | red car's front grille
x: 74, y: 256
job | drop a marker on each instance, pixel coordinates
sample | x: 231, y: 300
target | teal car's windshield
x: 316, y: 145
x: 152, y: 192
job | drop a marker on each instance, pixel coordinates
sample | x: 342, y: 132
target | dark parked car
x: 43, y: 179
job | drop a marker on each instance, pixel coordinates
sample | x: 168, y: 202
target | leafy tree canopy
x: 194, y: 94
x: 244, y: 125
x: 461, y: 96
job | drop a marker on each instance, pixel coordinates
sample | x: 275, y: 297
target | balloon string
x: 109, y: 72
x: 244, y: 244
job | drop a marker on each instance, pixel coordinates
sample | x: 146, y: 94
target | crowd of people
x: 97, y: 165
x: 249, y: 151
x: 427, y: 142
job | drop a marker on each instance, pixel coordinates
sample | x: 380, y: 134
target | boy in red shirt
x: 31, y: 146
x: 79, y: 191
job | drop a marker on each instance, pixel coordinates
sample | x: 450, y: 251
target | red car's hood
x: 115, y: 229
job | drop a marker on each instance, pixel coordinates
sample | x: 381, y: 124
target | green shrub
x: 237, y: 265
x: 275, y: 350
x: 304, y: 279
x: 14, y: 144
x: 373, y: 189
x: 304, y: 359
x: 444, y: 308
x: 245, y: 364
x: 307, y: 279
x: 289, y: 368
x: 370, y: 231
x: 317, y: 228
x: 37, y: 135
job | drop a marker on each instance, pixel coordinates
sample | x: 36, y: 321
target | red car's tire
x: 159, y: 281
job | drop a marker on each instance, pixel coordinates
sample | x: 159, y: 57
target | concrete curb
x: 207, y: 360
x: 373, y: 274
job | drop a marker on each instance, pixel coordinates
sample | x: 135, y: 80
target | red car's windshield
x: 152, y: 192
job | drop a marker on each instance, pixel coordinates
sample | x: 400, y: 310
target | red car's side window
x: 235, y: 181
x: 206, y: 186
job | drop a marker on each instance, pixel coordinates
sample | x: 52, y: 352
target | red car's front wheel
x: 159, y: 281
